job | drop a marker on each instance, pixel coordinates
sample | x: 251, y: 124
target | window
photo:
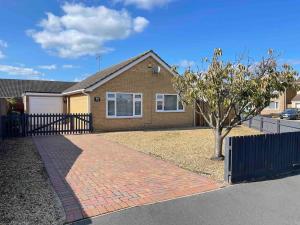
x: 123, y: 105
x: 273, y: 105
x: 168, y: 103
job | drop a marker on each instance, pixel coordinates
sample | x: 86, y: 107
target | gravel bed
x: 188, y: 148
x: 26, y: 195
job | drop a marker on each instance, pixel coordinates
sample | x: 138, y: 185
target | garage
x: 37, y: 104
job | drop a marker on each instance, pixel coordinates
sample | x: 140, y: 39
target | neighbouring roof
x: 296, y: 98
x: 106, y: 73
x: 15, y: 88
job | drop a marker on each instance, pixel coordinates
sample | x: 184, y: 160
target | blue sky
x: 62, y: 44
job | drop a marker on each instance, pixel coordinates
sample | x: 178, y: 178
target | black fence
x: 45, y: 124
x: 271, y: 125
x: 261, y: 156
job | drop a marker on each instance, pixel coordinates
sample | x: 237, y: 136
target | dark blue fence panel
x: 254, y: 157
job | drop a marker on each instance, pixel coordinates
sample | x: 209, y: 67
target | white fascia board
x: 150, y: 54
x: 41, y: 94
x: 80, y: 91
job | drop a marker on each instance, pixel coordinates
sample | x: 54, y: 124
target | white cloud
x: 292, y: 61
x: 20, y: 71
x: 139, y: 24
x: 186, y: 63
x: 84, y: 30
x: 2, y: 55
x: 3, y: 44
x: 48, y: 67
x: 145, y: 4
x: 69, y: 66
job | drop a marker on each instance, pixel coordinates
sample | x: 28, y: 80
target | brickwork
x: 140, y: 79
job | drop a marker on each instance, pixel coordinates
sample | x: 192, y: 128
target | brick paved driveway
x: 93, y: 176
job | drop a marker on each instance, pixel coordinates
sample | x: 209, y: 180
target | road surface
x: 275, y: 202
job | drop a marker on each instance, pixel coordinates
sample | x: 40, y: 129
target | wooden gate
x: 45, y: 124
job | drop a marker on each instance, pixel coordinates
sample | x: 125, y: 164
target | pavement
x: 274, y: 202
x: 94, y: 176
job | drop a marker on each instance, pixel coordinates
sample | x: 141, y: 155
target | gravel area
x: 26, y: 195
x: 188, y: 148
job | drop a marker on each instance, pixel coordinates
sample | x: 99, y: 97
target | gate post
x: 228, y: 160
x: 261, y: 124
x: 91, y: 122
x: 72, y: 122
x: 23, y: 124
x: 250, y: 122
x: 278, y: 126
x: 1, y: 127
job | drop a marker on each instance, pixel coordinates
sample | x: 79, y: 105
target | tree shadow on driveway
x: 59, y: 155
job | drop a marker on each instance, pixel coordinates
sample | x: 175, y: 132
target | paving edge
x: 148, y: 204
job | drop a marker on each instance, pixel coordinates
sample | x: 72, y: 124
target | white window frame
x: 133, y: 102
x: 276, y: 104
x: 163, y: 106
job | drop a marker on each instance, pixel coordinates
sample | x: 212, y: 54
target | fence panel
x: 259, y: 156
x: 1, y: 128
x: 45, y: 124
x: 271, y: 125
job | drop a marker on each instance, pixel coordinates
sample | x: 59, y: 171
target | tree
x: 233, y: 92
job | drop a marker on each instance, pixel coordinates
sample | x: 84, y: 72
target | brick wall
x: 281, y: 107
x: 284, y: 100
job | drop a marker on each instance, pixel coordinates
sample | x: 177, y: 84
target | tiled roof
x: 296, y: 98
x: 88, y: 82
x: 15, y: 88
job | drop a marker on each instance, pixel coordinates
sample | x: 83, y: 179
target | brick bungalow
x: 134, y: 94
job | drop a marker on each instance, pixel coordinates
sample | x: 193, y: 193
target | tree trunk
x: 218, y: 145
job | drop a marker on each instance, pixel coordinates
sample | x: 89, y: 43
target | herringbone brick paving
x: 93, y: 176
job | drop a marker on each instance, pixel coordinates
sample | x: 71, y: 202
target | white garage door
x: 45, y: 105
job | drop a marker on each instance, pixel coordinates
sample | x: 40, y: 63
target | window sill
x: 124, y: 117
x: 170, y: 111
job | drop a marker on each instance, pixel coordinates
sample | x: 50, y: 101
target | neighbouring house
x: 36, y: 96
x: 283, y: 102
x: 296, y: 101
x: 135, y: 94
